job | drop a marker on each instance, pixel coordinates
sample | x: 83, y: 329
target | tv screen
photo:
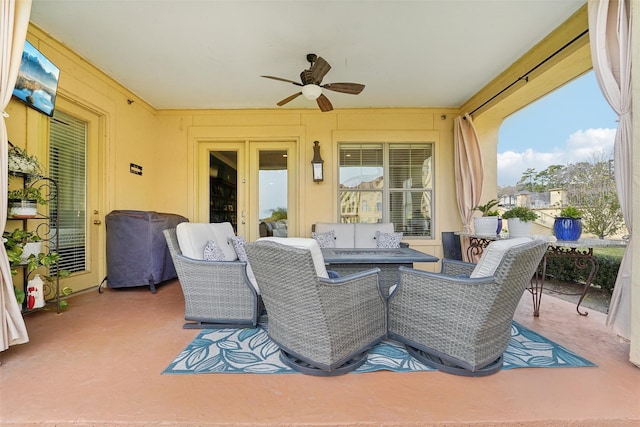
x: 37, y: 82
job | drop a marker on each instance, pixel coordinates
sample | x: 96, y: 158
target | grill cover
x: 137, y: 253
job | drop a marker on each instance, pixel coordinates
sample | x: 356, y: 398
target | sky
x: 570, y: 125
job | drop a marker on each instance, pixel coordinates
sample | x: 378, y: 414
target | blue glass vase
x: 567, y: 228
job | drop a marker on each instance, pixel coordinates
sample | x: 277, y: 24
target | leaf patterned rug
x: 252, y: 351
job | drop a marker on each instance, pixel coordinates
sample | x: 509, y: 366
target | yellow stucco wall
x: 164, y: 143
x: 182, y: 131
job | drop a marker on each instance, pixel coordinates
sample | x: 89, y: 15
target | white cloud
x: 581, y: 145
x: 584, y: 144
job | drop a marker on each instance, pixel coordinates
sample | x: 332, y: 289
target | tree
x: 278, y: 213
x: 592, y: 187
x: 550, y: 178
x: 526, y: 182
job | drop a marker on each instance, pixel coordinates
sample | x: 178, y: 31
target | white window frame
x: 386, y: 191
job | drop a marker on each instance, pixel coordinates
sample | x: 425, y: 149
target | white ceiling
x: 211, y: 53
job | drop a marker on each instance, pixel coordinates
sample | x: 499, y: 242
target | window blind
x: 387, y: 182
x: 67, y: 166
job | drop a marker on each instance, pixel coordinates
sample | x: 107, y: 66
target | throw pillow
x: 213, y: 252
x: 238, y: 243
x: 326, y: 239
x: 388, y: 240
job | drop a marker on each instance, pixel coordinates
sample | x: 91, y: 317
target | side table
x: 582, y: 253
x: 580, y: 250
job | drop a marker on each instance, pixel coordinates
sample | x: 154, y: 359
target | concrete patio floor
x: 99, y: 364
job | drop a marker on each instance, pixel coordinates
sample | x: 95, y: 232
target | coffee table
x: 347, y: 261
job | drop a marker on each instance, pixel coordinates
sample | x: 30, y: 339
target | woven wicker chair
x: 458, y: 324
x: 322, y: 326
x: 217, y: 294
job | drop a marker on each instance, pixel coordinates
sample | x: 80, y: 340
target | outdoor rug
x: 252, y: 351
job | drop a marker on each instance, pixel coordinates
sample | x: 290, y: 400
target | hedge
x: 565, y: 270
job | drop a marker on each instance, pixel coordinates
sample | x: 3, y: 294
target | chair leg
x: 450, y: 368
x: 309, y: 369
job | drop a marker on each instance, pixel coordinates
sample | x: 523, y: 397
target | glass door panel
x: 273, y: 189
x: 272, y: 192
x: 223, y: 185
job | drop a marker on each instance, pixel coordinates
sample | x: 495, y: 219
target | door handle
x: 97, y: 222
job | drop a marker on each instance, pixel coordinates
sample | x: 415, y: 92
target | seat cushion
x: 493, y: 254
x: 303, y: 243
x: 193, y: 237
x: 365, y: 234
x: 344, y: 233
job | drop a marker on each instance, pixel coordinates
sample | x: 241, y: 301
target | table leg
x: 582, y: 259
x: 476, y: 247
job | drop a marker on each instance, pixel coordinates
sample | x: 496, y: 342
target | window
x: 396, y: 178
x: 67, y: 164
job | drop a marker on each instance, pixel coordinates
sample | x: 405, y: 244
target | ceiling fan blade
x: 324, y: 103
x: 289, y: 99
x: 350, y: 88
x: 319, y: 69
x: 283, y: 80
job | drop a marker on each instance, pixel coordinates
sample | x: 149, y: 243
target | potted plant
x: 21, y: 244
x: 568, y: 225
x: 489, y: 224
x: 20, y: 162
x: 520, y: 220
x: 23, y: 202
x: 19, y: 252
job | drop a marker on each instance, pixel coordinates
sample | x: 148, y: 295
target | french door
x: 74, y: 162
x: 246, y: 183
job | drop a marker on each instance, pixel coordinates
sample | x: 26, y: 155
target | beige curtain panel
x: 14, y: 20
x: 469, y: 169
x: 610, y: 35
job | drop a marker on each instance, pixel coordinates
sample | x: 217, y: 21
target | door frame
x: 247, y: 196
x: 96, y: 191
x: 292, y: 183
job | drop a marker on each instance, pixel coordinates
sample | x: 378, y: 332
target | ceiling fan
x: 311, y: 80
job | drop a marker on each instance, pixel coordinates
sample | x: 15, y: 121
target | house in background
x: 174, y: 146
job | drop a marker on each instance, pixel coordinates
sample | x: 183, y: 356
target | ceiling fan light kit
x: 311, y: 92
x: 311, y: 80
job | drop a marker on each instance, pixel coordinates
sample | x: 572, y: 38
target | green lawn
x: 616, y: 252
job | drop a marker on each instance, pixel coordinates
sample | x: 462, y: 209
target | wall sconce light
x: 317, y: 163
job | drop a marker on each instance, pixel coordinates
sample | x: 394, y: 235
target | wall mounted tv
x: 37, y: 82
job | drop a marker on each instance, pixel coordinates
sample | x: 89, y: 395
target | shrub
x: 577, y: 270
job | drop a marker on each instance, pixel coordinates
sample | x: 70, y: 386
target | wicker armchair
x: 458, y: 324
x: 217, y: 294
x: 322, y: 326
